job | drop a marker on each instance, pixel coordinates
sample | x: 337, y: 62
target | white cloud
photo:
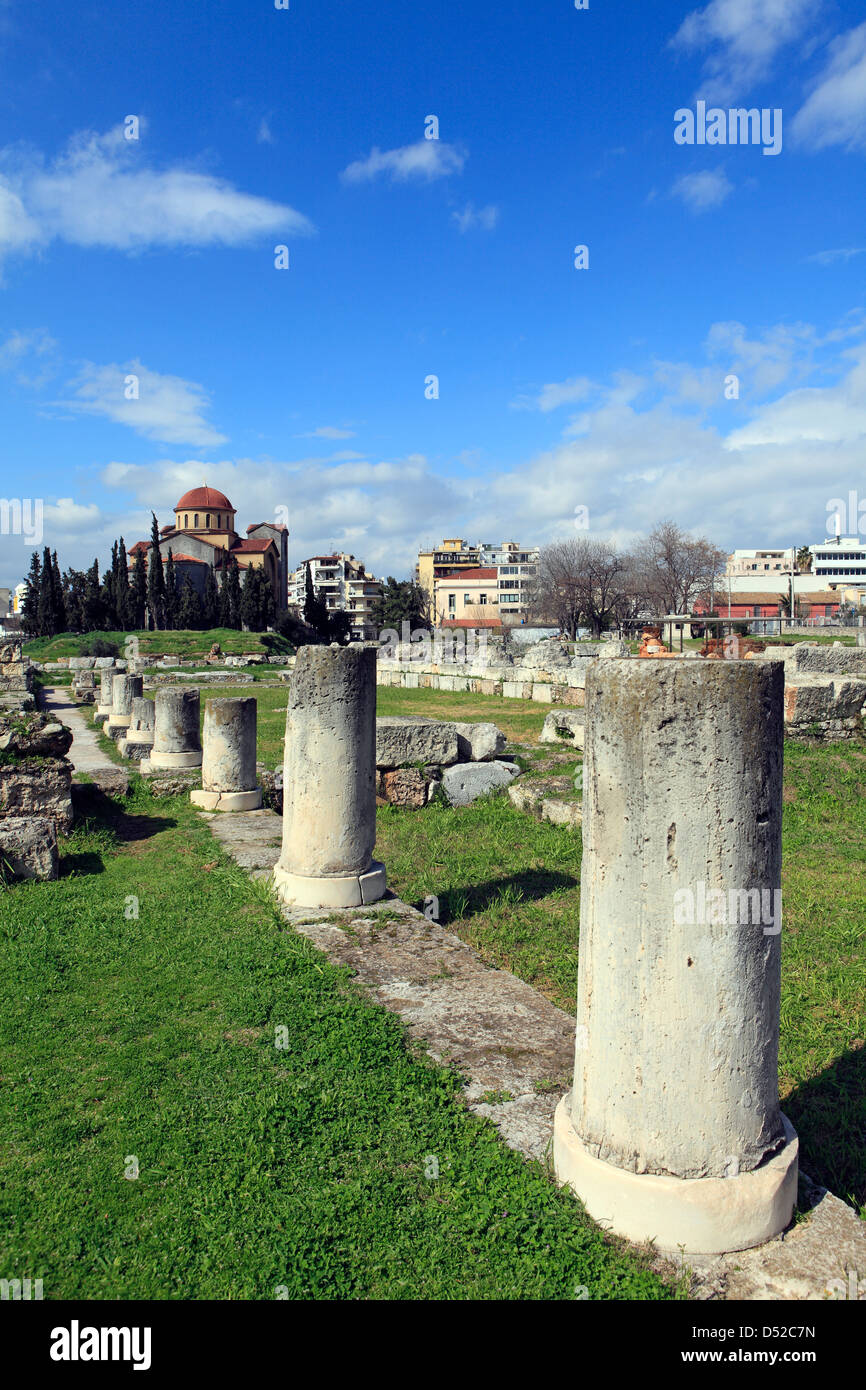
x: 708, y: 189
x: 744, y: 38
x: 167, y: 408
x: 101, y: 192
x: 833, y: 415
x: 835, y: 112
x: 486, y: 218
x: 555, y: 394
x: 264, y: 136
x: 328, y: 432
x: 842, y: 253
x: 426, y: 159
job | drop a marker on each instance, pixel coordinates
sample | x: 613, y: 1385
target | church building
x: 203, y: 536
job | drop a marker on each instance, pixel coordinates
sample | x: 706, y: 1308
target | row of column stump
x: 672, y: 1130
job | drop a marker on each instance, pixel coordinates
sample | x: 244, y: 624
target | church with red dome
x: 203, y: 537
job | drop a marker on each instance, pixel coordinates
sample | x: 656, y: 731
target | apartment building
x: 467, y: 598
x: 508, y: 589
x: 344, y: 584
x: 753, y: 562
x: 840, y: 560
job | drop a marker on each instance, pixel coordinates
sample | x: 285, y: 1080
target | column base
x: 102, y: 713
x: 353, y: 890
x: 700, y: 1216
x: 134, y: 747
x: 228, y: 801
x: 170, y: 761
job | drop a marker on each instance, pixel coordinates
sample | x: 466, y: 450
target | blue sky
x: 304, y: 388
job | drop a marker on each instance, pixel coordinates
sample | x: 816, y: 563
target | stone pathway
x: 516, y: 1051
x: 86, y: 756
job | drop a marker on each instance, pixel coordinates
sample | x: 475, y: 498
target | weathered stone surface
x: 271, y: 782
x: 172, y: 782
x: 176, y: 741
x: 564, y: 726
x: 837, y: 661
x: 82, y: 663
x: 34, y: 735
x: 403, y: 740
x: 404, y: 786
x: 822, y: 707
x: 111, y: 780
x: 546, y: 656
x: 28, y: 847
x: 38, y: 787
x: 478, y: 742
x: 467, y: 781
x: 229, y: 744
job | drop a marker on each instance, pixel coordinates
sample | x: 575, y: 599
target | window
x: 196, y: 521
x: 452, y: 602
x: 482, y: 598
x: 467, y: 599
x: 207, y: 520
x: 186, y: 518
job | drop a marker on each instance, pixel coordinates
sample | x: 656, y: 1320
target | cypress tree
x: 59, y: 601
x: 45, y: 608
x: 189, y: 608
x: 155, y: 579
x: 250, y: 599
x: 233, y: 597
x: 30, y: 605
x: 138, y: 591
x: 94, y: 611
x: 211, y: 601
x: 172, y: 598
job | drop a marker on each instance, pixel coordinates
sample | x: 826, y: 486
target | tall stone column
x: 104, y: 703
x: 176, y: 741
x: 228, y: 770
x: 672, y: 1130
x: 329, y: 781
x: 124, y: 689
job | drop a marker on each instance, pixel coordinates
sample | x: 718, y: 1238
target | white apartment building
x: 841, y: 560
x: 760, y: 562
x: 345, y: 584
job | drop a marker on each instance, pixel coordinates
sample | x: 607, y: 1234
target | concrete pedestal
x: 673, y: 1128
x: 329, y: 781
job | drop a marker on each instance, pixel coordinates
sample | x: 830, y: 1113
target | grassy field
x: 158, y: 1143
x: 509, y: 885
x: 162, y: 643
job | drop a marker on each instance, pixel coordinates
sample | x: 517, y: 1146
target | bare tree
x: 579, y: 583
x: 674, y: 569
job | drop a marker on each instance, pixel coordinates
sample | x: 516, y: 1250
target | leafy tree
x: 400, y: 601
x: 804, y: 560
x: 74, y: 592
x: 30, y: 605
x: 189, y: 607
x: 155, y: 578
x: 172, y: 597
x: 339, y: 626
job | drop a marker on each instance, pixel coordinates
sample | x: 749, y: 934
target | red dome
x: 206, y: 497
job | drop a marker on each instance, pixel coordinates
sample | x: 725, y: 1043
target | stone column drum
x: 672, y: 1130
x: 124, y: 690
x: 176, y: 741
x: 329, y: 781
x: 228, y: 770
x: 138, y: 740
x: 103, y: 704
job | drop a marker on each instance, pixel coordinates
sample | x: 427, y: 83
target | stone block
x: 28, y: 847
x: 564, y: 726
x: 38, y: 787
x: 404, y: 786
x: 403, y: 740
x: 466, y: 782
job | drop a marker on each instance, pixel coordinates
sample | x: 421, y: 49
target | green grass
x: 162, y: 643
x: 144, y: 993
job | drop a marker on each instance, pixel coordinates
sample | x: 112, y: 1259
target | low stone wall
x: 824, y: 709
x: 841, y: 661
x: 563, y: 686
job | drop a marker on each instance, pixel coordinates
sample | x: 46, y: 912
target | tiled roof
x: 468, y: 574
